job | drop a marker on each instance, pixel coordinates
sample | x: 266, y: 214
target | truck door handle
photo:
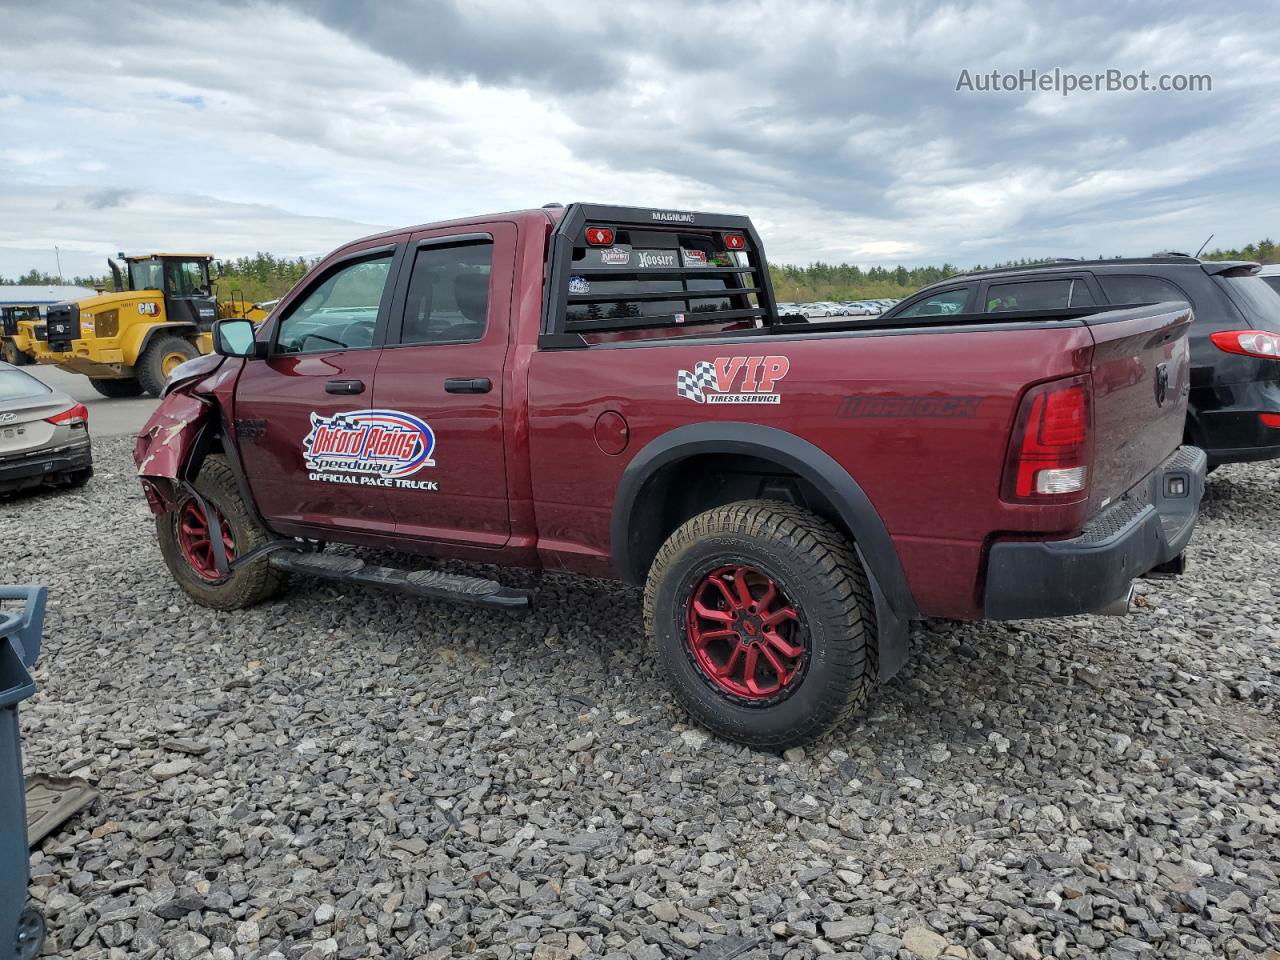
x: 468, y: 385
x: 345, y: 387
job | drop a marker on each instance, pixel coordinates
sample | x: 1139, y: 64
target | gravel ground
x: 363, y: 775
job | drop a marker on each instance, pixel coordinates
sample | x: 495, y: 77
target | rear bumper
x: 1225, y: 421
x: 1057, y: 578
x: 32, y: 468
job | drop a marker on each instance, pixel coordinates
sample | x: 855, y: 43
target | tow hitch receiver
x: 420, y: 583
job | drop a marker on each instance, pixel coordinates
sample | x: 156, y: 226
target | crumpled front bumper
x: 164, y: 445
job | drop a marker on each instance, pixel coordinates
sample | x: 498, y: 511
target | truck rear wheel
x: 186, y: 543
x: 762, y: 618
x: 161, y: 358
x: 120, y: 387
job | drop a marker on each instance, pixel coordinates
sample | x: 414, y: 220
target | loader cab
x: 18, y: 328
x: 12, y: 316
x: 183, y: 279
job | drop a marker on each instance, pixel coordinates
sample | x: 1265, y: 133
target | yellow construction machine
x: 129, y: 340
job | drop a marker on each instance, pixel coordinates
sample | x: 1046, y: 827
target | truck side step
x: 420, y: 583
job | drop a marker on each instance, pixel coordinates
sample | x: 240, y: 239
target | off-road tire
x: 117, y: 388
x: 248, y: 585
x: 820, y: 573
x: 150, y: 366
x: 11, y: 354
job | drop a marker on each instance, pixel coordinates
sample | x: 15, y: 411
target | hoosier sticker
x: 380, y: 448
x: 733, y: 380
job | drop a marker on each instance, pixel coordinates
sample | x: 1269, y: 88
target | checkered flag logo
x: 690, y: 385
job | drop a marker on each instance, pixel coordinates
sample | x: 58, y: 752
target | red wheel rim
x: 744, y: 634
x: 195, y: 542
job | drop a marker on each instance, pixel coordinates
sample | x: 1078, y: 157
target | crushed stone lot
x: 339, y: 774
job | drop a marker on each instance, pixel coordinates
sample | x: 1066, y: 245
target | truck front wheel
x: 762, y: 619
x: 162, y: 356
x: 186, y: 542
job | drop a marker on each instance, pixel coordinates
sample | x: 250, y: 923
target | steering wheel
x: 359, y: 333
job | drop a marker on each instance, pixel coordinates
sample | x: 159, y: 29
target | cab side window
x: 940, y: 304
x: 340, y: 312
x: 448, y: 296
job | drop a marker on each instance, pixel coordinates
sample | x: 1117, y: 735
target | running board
x: 419, y: 583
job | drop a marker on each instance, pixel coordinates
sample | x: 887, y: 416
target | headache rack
x: 621, y: 271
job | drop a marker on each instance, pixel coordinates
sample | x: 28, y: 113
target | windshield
x: 1256, y: 300
x: 16, y: 385
x: 144, y: 275
x: 186, y: 278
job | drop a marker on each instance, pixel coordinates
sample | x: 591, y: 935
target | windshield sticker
x: 656, y: 258
x: 694, y: 258
x: 579, y: 285
x: 615, y: 257
x: 380, y: 448
x: 733, y: 380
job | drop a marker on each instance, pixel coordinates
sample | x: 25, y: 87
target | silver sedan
x: 44, y: 434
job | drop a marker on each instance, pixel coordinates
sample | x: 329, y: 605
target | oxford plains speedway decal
x: 733, y: 380
x: 379, y: 448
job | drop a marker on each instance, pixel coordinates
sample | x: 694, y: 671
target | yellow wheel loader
x: 17, y: 337
x: 129, y: 340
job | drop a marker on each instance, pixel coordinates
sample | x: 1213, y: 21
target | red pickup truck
x: 610, y: 391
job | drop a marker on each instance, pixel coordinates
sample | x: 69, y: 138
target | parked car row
x: 820, y: 309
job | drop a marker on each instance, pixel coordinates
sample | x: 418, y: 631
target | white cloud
x: 244, y: 125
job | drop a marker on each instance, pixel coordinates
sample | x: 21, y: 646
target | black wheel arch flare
x: 631, y: 531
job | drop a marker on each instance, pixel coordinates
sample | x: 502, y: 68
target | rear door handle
x: 345, y: 387
x: 468, y: 385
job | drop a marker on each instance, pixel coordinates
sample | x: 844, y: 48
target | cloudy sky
x: 293, y: 127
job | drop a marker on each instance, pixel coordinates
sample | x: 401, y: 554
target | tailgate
x: 1141, y: 376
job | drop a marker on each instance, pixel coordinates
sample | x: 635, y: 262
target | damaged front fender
x: 165, y: 445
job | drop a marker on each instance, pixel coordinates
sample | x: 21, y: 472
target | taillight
x: 1051, y: 447
x: 1249, y: 343
x: 735, y: 241
x: 1271, y: 420
x: 77, y: 416
x: 599, y: 237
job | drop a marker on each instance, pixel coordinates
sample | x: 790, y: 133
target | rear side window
x: 1038, y: 295
x: 1273, y: 283
x: 16, y: 385
x: 340, y: 312
x: 940, y: 304
x: 1127, y: 290
x: 448, y: 298
x: 1255, y: 299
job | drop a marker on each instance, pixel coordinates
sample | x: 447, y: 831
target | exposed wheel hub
x: 196, y: 542
x: 744, y: 634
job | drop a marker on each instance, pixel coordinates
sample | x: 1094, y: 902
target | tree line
x: 265, y: 276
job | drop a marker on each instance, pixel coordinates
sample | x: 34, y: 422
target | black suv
x: 1233, y: 412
